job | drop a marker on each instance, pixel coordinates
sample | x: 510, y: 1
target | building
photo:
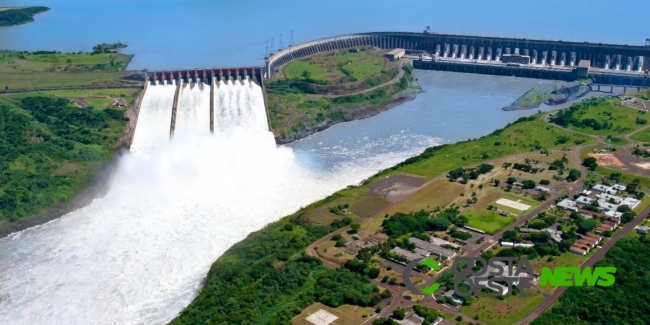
x: 642, y: 229
x: 395, y: 54
x: 411, y: 318
x: 585, y: 243
x: 442, y: 242
x: 529, y: 230
x: 618, y: 187
x: 567, y: 204
x: 451, y: 297
x: 542, y: 189
x: 584, y: 200
x: 582, y: 70
x: 509, y: 244
x: 613, y: 214
x: 578, y: 251
x: 406, y: 254
x: 600, y: 187
x: 432, y: 248
x: 631, y: 202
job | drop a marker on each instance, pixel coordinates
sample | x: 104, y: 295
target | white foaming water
x: 193, y: 112
x: 139, y: 255
x: 155, y: 116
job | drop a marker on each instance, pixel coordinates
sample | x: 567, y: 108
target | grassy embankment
x: 49, y: 147
x: 11, y: 16
x: 45, y: 69
x: 327, y: 85
x: 245, y: 285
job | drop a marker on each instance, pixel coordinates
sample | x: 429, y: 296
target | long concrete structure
x: 612, y: 63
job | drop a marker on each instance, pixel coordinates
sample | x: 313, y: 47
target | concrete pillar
x: 172, y: 125
x: 212, y: 85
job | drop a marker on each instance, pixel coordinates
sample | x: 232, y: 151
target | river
x: 138, y: 256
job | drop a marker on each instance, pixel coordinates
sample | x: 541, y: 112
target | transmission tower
x: 272, y: 45
x: 291, y: 39
x: 280, y: 46
x: 266, y: 51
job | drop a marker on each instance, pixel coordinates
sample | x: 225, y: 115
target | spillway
x: 239, y: 103
x: 155, y: 115
x: 193, y: 113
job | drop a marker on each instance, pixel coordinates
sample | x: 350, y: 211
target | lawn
x: 622, y: 118
x: 488, y: 221
x: 330, y: 67
x: 347, y: 314
x: 643, y: 136
x: 15, y: 81
x: 25, y: 62
x: 437, y: 194
x: 502, y: 312
x: 525, y: 136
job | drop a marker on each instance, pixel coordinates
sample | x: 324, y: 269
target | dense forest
x: 268, y: 279
x: 48, y: 149
x: 626, y: 302
x: 19, y: 16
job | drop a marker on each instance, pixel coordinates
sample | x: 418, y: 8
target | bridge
x: 608, y: 63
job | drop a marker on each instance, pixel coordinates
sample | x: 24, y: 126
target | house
x: 631, y: 202
x: 529, y: 230
x: 411, y: 318
x: 452, y: 298
x: 594, y: 236
x: 610, y: 198
x: 434, y: 249
x: 584, y: 200
x: 556, y: 235
x: 643, y: 229
x: 585, y: 243
x: 509, y: 244
x: 518, y: 184
x: 592, y: 240
x: 567, y: 204
x: 578, y: 251
x: 601, y: 188
x: 586, y: 192
x: 613, y: 214
x: 618, y: 187
x: 542, y: 189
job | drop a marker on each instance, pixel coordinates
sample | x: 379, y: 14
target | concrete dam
x: 199, y: 100
x: 531, y: 58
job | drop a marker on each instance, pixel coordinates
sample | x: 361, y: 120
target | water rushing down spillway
x: 140, y: 254
x: 193, y: 113
x: 155, y: 115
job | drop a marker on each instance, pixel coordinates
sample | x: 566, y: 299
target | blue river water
x: 174, y: 34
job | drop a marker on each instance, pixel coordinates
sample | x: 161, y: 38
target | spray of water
x: 139, y: 255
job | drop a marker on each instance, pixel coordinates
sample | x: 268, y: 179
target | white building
x: 567, y: 204
x: 584, y: 200
x: 601, y: 188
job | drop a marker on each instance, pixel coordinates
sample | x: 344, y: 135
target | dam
x: 531, y: 58
x: 199, y: 101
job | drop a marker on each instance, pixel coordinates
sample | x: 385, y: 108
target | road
x: 549, y: 300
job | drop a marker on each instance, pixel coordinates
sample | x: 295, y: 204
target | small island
x: 19, y: 15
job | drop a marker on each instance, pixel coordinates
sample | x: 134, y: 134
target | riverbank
x: 351, y: 113
x: 14, y: 16
x: 96, y: 187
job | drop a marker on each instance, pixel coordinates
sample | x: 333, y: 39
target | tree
x: 496, y: 183
x: 574, y: 174
x: 528, y: 184
x: 590, y: 162
x: 511, y: 180
x: 485, y: 168
x: 398, y: 314
x: 545, y: 182
x: 586, y: 226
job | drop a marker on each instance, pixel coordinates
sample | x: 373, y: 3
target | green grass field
x: 329, y: 67
x: 502, y: 312
x: 622, y: 117
x: 643, y: 136
x: 488, y: 221
x: 25, y: 62
x: 14, y: 81
x: 521, y: 137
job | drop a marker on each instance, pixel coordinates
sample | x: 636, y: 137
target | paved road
x: 549, y: 300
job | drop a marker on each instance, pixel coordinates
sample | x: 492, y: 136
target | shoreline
x: 95, y: 188
x: 353, y: 113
